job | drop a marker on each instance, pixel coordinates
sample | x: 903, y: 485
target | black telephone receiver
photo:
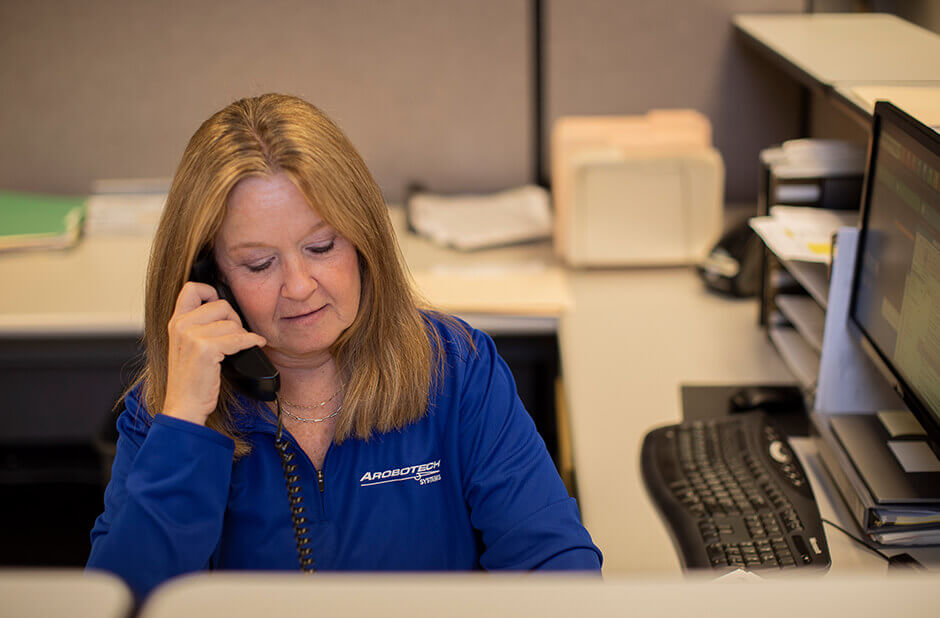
x: 253, y: 374
x: 249, y: 370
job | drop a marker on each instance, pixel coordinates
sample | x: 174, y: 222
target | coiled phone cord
x: 295, y: 497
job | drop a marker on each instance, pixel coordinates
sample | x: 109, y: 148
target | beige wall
x: 438, y: 91
x: 627, y: 56
x: 435, y: 91
x: 924, y: 13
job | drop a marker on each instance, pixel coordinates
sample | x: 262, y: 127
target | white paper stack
x: 470, y: 222
x: 126, y: 206
x: 802, y: 233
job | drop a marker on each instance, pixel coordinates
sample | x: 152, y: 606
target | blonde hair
x: 390, y: 354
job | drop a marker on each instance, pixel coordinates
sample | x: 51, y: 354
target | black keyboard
x: 733, y: 495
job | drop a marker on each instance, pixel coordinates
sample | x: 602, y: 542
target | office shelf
x: 794, y: 313
x: 806, y: 316
x: 797, y: 354
x: 813, y: 276
x: 793, y: 310
x: 781, y: 280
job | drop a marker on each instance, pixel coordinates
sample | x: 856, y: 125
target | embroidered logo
x: 424, y: 474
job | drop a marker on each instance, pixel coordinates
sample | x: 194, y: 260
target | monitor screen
x: 896, y: 291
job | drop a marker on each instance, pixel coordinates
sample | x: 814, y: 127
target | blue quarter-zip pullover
x: 468, y: 486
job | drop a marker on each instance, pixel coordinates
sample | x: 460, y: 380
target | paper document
x: 124, y: 213
x: 478, y: 221
x: 907, y: 538
x: 908, y: 517
x: 800, y: 233
x: 531, y: 289
x: 739, y: 576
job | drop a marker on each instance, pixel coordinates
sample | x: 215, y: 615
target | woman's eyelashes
x: 321, y: 248
x: 317, y: 249
x: 257, y: 268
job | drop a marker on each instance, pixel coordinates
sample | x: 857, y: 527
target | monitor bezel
x: 929, y: 139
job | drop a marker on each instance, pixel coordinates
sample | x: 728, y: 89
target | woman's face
x: 295, y: 278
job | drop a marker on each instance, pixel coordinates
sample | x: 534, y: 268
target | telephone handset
x: 249, y: 370
x: 253, y: 374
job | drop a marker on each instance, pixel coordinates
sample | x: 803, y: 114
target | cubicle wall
x: 626, y: 57
x: 437, y: 91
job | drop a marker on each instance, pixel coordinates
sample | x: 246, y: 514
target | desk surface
x: 515, y: 289
x: 97, y: 287
x: 838, y: 53
x: 629, y: 338
x: 920, y: 99
x: 475, y: 595
x: 827, y: 49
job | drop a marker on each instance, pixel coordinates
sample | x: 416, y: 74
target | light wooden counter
x: 631, y: 339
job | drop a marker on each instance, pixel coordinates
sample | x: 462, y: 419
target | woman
x: 397, y: 441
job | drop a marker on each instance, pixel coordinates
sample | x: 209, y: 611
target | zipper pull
x: 320, y: 480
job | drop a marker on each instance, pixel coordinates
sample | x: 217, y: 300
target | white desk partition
x: 854, y: 58
x: 495, y: 596
x: 54, y: 593
x: 826, y: 49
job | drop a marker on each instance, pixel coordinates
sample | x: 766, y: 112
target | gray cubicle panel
x: 433, y: 91
x: 616, y: 57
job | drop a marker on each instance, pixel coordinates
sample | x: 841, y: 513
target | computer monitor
x: 896, y: 287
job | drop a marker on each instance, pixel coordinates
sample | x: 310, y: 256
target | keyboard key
x: 716, y: 555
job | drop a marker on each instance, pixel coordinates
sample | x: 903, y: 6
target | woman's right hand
x: 203, y: 330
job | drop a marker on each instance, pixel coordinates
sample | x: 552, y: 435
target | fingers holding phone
x: 202, y: 332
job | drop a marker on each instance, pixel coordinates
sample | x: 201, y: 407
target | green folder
x: 29, y: 220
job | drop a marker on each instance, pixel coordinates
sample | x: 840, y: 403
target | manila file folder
x: 636, y: 190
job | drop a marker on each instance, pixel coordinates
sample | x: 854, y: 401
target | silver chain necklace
x: 316, y: 406
x: 312, y: 420
x: 300, y: 406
